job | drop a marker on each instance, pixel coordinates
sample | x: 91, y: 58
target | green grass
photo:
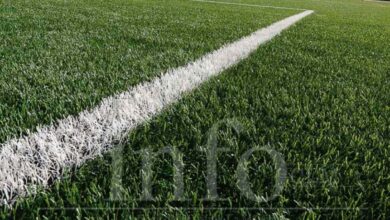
x: 58, y: 58
x: 318, y: 94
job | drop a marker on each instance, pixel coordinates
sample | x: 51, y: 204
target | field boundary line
x: 251, y: 5
x: 377, y: 1
x: 35, y: 160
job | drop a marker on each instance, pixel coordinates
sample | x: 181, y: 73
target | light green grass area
x: 318, y: 94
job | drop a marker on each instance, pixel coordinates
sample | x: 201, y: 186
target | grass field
x: 318, y: 94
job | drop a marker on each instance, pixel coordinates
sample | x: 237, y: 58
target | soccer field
x: 310, y: 109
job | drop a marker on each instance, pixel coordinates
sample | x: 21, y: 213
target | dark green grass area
x: 318, y: 94
x: 58, y: 58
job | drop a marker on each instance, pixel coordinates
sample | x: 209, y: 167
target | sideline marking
x: 251, y: 5
x: 375, y: 1
x: 36, y: 159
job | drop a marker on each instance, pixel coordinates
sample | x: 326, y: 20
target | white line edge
x: 251, y: 5
x: 375, y: 1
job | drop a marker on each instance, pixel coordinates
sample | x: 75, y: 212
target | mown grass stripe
x: 36, y: 159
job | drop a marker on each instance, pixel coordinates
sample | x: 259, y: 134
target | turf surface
x: 318, y: 94
x: 58, y: 58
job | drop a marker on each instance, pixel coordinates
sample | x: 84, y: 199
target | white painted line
x: 385, y: 2
x: 251, y: 5
x: 40, y: 157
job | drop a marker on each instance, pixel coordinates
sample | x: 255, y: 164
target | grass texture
x: 58, y: 58
x: 318, y: 94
